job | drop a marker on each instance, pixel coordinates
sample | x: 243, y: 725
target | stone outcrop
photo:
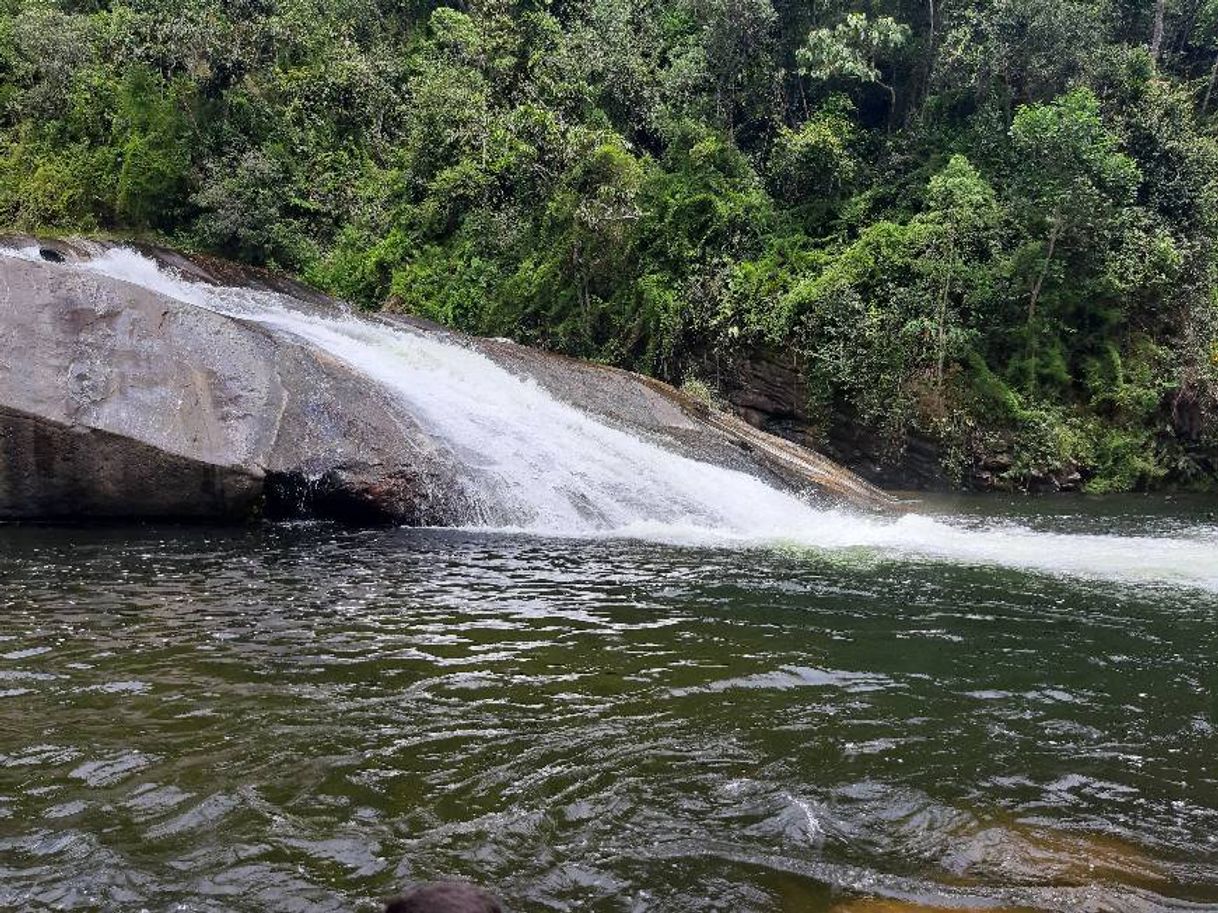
x: 117, y: 401
x: 655, y: 410
x: 766, y: 388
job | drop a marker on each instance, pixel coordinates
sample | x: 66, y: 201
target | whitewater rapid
x: 540, y: 466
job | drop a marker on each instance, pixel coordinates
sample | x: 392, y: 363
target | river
x: 303, y: 717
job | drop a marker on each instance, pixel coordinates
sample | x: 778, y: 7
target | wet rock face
x: 767, y: 389
x: 655, y: 411
x: 50, y: 470
x: 116, y: 401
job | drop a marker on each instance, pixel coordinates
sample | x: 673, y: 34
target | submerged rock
x: 121, y: 401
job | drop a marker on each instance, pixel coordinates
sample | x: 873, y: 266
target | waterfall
x: 538, y: 465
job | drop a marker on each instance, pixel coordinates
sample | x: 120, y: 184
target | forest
x: 989, y: 225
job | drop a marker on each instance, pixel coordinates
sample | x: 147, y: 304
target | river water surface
x: 304, y: 717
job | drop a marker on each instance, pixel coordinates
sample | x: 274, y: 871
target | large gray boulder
x: 117, y: 401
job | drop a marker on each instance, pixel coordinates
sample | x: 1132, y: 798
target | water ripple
x: 302, y: 718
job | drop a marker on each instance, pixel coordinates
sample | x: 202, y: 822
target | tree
x: 1204, y: 39
x: 817, y: 162
x: 1018, y: 50
x: 1209, y: 87
x: 852, y: 51
x: 1156, y: 35
x: 1071, y: 171
x: 962, y: 214
x: 152, y: 132
x: 737, y: 39
x: 1074, y: 183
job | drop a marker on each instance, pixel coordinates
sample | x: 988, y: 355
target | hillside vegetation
x: 988, y: 224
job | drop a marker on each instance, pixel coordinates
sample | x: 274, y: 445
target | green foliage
x: 851, y: 49
x: 153, y: 138
x: 1020, y: 51
x: 990, y: 223
x: 816, y: 163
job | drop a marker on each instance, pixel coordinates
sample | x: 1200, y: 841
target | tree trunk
x: 931, y: 57
x: 1044, y: 269
x: 1156, y: 38
x: 947, y: 286
x: 892, y: 101
x: 1209, y: 90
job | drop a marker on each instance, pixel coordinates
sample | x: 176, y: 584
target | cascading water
x: 538, y: 465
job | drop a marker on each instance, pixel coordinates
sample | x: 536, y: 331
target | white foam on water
x: 28, y: 252
x: 540, y: 466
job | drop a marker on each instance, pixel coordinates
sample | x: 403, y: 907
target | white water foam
x: 541, y: 466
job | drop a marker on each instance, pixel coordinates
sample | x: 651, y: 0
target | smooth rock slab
x: 119, y: 402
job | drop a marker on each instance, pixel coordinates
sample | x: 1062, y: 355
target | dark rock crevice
x: 767, y: 389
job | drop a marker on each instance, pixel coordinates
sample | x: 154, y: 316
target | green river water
x: 306, y: 717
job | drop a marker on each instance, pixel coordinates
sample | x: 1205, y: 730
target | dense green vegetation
x: 992, y: 223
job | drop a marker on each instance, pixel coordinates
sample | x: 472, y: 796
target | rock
x: 998, y: 462
x: 1070, y: 480
x: 656, y: 411
x: 445, y: 897
x: 117, y: 401
x: 1186, y: 408
x: 1040, y: 481
x: 767, y: 389
x: 50, y: 469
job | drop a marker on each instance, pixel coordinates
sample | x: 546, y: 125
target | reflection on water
x: 302, y: 718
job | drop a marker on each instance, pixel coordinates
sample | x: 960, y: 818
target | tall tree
x: 853, y: 50
x: 961, y: 217
x: 1073, y: 180
x: 1156, y: 35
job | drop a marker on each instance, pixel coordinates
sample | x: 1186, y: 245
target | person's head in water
x: 444, y: 897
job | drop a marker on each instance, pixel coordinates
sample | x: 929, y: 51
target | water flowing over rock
x: 155, y: 385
